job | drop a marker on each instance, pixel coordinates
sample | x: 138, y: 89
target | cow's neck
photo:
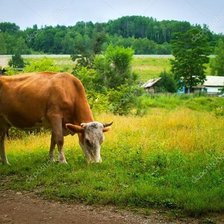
x: 83, y: 113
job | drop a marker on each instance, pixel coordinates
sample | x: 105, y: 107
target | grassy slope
x: 145, y: 67
x: 149, y: 67
x: 167, y: 158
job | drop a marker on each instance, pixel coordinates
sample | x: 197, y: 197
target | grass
x: 147, y: 67
x: 169, y: 158
x: 172, y: 157
x: 151, y: 67
x: 192, y: 101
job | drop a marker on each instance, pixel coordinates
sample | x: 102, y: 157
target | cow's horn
x: 107, y: 124
x: 83, y: 125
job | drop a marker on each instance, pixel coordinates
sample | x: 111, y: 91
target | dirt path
x: 24, y: 208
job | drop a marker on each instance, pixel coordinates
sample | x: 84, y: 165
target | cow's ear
x: 74, y: 128
x: 106, y: 126
x: 106, y: 129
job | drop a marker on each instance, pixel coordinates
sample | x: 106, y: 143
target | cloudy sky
x: 26, y: 13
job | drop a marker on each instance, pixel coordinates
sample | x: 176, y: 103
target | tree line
x: 143, y: 34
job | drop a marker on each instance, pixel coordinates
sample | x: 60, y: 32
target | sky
x: 26, y: 13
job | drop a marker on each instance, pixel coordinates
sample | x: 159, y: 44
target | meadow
x: 171, y: 158
x: 150, y: 67
x: 146, y: 67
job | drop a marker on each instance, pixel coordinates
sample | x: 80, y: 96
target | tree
x: 9, y: 27
x: 114, y: 67
x: 217, y: 63
x: 3, y: 47
x: 191, y: 51
x: 42, y: 65
x: 17, y: 61
x: 167, y: 83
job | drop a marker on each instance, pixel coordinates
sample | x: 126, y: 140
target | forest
x: 143, y: 34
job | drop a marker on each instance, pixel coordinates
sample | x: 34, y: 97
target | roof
x: 214, y: 81
x: 150, y: 83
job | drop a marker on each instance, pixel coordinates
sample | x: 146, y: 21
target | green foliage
x: 3, y: 45
x: 145, y: 35
x: 83, y: 60
x: 99, y: 102
x: 120, y: 58
x: 17, y: 61
x: 109, y: 77
x: 41, y: 65
x: 114, y: 67
x: 217, y: 63
x: 9, y: 27
x: 87, y: 77
x: 167, y: 83
x: 191, y: 51
x: 12, y: 40
x: 144, y: 27
x: 124, y: 99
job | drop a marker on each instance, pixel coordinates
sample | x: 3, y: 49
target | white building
x: 212, y: 85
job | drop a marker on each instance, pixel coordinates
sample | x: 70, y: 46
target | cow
x: 56, y: 101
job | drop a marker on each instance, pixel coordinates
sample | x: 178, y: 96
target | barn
x: 150, y: 85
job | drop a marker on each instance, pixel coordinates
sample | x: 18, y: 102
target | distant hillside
x: 145, y: 35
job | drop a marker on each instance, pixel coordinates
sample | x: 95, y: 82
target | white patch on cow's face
x: 92, y: 139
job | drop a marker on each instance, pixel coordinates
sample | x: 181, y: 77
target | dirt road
x: 24, y: 208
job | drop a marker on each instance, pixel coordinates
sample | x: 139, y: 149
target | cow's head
x: 90, y: 138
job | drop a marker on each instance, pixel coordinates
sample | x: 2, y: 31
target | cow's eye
x: 88, y: 142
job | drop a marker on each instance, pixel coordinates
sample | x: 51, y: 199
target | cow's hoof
x: 51, y: 160
x: 63, y: 161
x: 6, y: 163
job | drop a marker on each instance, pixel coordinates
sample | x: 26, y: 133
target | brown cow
x: 52, y: 100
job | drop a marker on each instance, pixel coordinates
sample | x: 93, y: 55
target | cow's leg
x: 52, y: 147
x: 2, y: 147
x: 57, y: 135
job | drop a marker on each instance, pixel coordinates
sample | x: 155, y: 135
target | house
x: 212, y: 85
x: 150, y: 85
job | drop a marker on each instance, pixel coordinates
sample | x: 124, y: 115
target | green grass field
x: 145, y: 67
x: 169, y: 158
x: 149, y: 67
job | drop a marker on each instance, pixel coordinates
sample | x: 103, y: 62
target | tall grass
x: 169, y: 158
x: 148, y: 68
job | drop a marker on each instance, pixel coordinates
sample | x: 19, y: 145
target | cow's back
x: 25, y: 100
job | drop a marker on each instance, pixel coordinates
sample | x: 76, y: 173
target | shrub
x: 114, y: 67
x: 87, y: 77
x: 124, y: 99
x: 17, y: 62
x: 167, y: 83
x: 42, y: 65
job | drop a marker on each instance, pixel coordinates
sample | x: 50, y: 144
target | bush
x: 114, y: 67
x: 87, y: 77
x: 124, y: 99
x: 42, y: 65
x: 167, y: 83
x: 17, y: 62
